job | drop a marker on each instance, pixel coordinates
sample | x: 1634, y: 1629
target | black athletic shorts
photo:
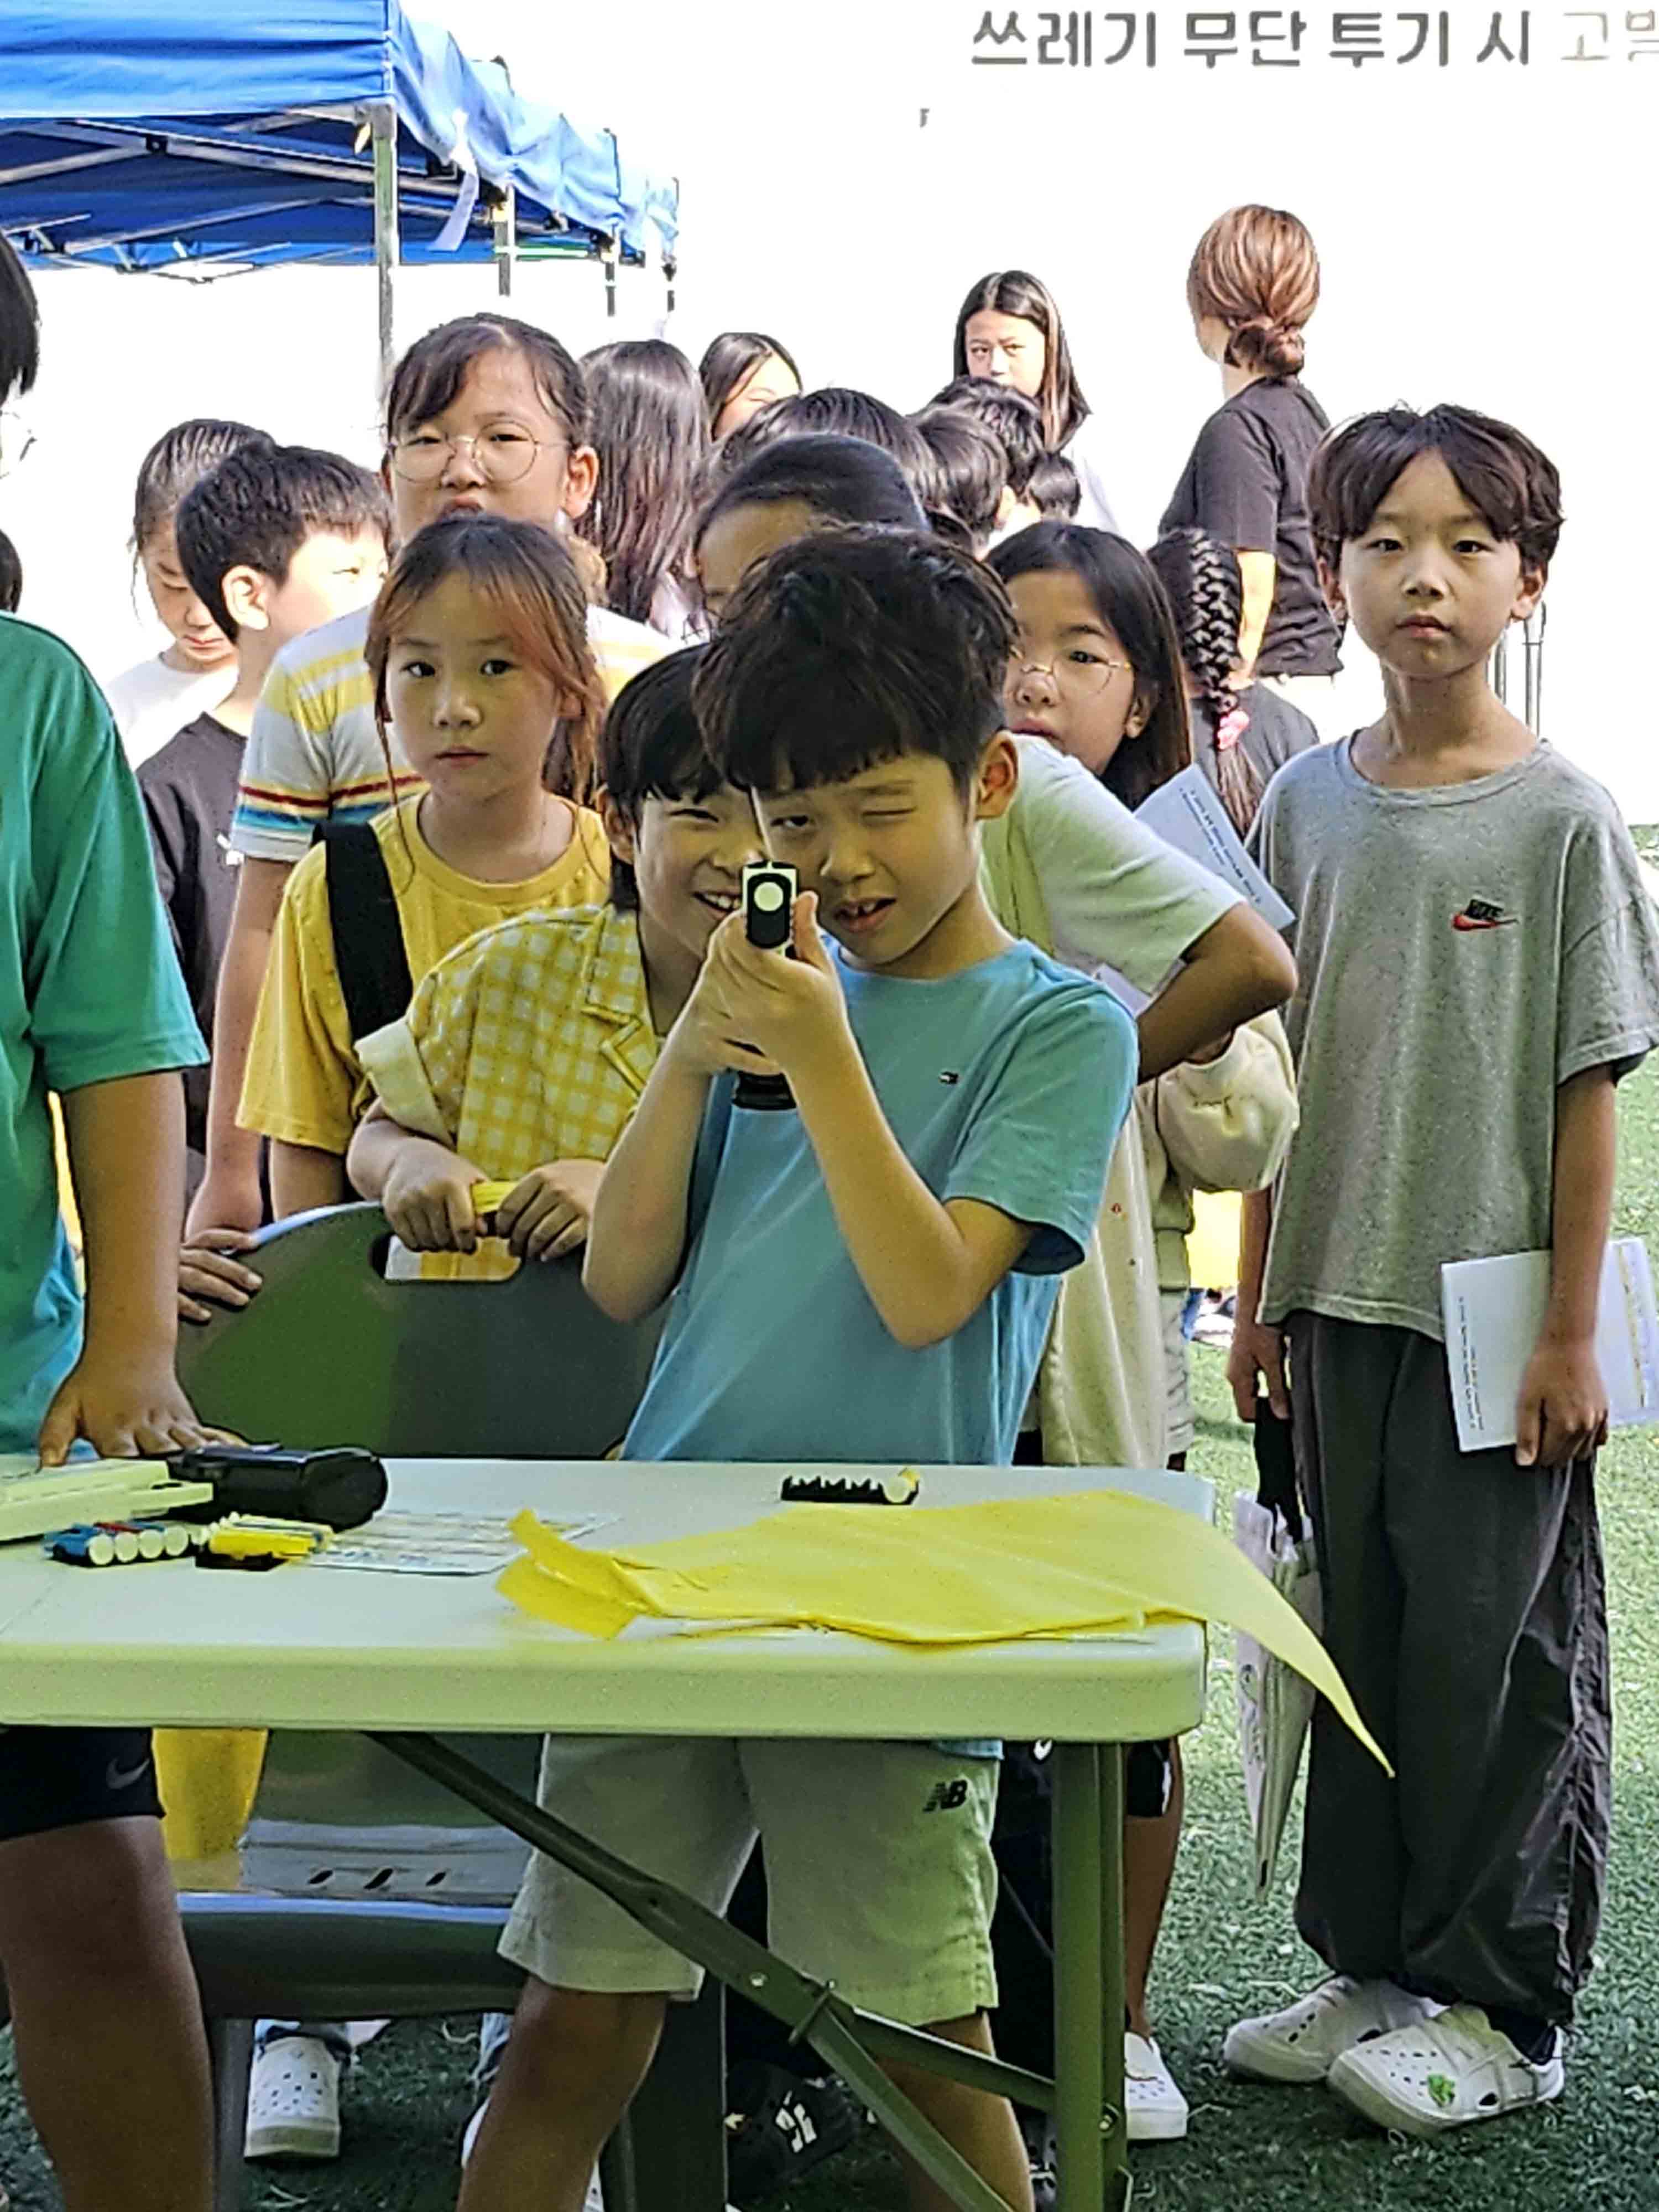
x: 60, y: 1778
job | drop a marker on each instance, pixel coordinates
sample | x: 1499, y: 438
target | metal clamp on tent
x: 190, y: 145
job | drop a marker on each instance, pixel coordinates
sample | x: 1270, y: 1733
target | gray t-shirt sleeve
x: 1609, y: 1004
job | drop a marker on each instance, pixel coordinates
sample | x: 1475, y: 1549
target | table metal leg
x: 1088, y: 1925
x: 851, y: 2041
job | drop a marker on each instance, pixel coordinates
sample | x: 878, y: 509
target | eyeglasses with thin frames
x: 1085, y: 679
x: 501, y: 456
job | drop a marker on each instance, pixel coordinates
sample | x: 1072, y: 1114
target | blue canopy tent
x: 170, y: 135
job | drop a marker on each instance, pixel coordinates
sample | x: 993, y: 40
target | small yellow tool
x: 486, y: 1198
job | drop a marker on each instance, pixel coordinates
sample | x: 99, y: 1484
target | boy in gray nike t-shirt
x: 1478, y: 968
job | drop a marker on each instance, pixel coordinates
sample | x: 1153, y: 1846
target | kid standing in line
x: 276, y: 540
x: 914, y: 1224
x: 1016, y: 423
x: 524, y: 1051
x: 105, y: 2020
x: 158, y: 696
x: 1478, y: 968
x: 485, y: 414
x: 1099, y: 674
x: 477, y: 648
x: 1008, y: 328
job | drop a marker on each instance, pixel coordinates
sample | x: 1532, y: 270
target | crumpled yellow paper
x: 1090, y: 1562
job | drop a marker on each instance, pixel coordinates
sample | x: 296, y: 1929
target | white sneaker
x: 293, y: 2100
x: 1444, y: 2072
x: 1301, y: 2042
x: 1153, y: 2106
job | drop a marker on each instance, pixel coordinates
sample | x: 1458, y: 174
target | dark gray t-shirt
x: 1462, y: 952
x: 1275, y: 733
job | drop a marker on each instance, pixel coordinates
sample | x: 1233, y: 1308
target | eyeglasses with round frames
x: 501, y: 456
x: 1085, y: 679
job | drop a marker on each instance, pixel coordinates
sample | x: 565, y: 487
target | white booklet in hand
x: 1494, y: 1310
x: 1187, y: 813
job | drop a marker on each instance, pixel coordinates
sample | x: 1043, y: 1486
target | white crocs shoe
x: 1444, y: 2072
x: 293, y: 2100
x: 1301, y: 2042
x: 1154, y: 2107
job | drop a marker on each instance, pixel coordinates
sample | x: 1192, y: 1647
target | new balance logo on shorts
x: 947, y: 1796
x: 1482, y: 914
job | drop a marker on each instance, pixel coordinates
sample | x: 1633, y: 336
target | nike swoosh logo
x: 119, y: 1777
x: 1471, y: 921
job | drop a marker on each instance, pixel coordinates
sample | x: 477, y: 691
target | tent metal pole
x: 507, y: 241
x: 383, y: 129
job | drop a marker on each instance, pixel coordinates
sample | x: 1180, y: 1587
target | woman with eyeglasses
x: 485, y: 414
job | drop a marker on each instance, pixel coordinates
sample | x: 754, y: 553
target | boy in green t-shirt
x: 105, y: 2016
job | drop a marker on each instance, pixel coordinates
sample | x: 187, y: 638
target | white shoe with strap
x: 1444, y: 2072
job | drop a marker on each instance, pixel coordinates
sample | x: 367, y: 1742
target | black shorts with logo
x: 60, y: 1777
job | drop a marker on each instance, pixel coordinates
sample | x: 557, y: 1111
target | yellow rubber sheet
x: 1089, y: 1563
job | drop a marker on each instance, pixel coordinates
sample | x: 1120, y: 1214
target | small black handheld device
x: 769, y: 890
x: 342, y: 1487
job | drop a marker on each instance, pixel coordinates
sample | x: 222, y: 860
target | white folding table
x: 399, y: 1656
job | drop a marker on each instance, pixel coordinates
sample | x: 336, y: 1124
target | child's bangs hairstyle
x: 973, y: 467
x: 731, y: 357
x: 1514, y: 486
x: 840, y: 479
x: 1133, y: 604
x: 1016, y: 292
x: 258, y: 508
x: 20, y: 326
x: 1255, y: 269
x: 1014, y: 420
x: 529, y: 580
x: 851, y: 647
x: 1207, y: 597
x: 429, y: 377
x: 837, y: 411
x: 178, y: 461
x: 651, y: 747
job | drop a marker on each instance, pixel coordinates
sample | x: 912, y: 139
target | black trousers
x: 1466, y: 1607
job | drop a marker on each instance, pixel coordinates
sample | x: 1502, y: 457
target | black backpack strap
x: 369, y: 956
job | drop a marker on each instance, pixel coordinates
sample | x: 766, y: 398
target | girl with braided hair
x: 1241, y: 738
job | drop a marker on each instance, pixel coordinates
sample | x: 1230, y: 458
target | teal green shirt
x: 89, y: 985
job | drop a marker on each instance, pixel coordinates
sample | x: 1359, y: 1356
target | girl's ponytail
x: 1206, y: 592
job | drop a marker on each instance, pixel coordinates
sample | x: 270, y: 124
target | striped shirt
x: 314, y: 754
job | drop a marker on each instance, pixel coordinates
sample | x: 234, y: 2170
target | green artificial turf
x: 1250, y: 2149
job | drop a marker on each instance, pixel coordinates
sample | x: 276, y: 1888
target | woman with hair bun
x: 1253, y: 284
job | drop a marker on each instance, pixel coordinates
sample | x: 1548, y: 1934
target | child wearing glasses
x: 1098, y: 674
x: 485, y: 414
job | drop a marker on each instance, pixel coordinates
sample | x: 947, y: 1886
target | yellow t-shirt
x: 305, y: 1084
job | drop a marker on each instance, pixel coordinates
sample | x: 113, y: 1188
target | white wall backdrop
x: 847, y: 171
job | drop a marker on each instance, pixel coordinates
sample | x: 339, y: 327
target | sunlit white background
x: 845, y: 174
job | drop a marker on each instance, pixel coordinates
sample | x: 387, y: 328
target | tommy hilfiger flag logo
x: 1482, y: 914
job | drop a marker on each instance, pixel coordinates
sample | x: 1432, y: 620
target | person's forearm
x: 1255, y: 1227
x: 1238, y: 969
x: 1586, y: 1152
x: 1258, y: 573
x: 233, y: 1166
x: 637, y: 1237
x: 922, y: 1279
x: 127, y: 1148
x: 376, y: 1144
x: 301, y: 1178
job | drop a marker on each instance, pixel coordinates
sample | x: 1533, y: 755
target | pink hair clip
x: 1231, y: 728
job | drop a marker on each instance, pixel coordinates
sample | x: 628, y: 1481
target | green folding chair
x: 368, y: 1890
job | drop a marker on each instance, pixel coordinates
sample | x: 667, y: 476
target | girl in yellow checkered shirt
x: 524, y: 1051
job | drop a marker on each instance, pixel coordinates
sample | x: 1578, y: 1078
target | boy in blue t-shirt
x: 866, y: 1276
x: 104, y: 2009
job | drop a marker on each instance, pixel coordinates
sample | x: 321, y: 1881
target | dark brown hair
x: 852, y: 646
x: 650, y: 434
x: 1207, y: 598
x: 835, y: 410
x: 530, y: 581
x: 430, y: 375
x: 731, y: 357
x: 258, y: 508
x: 973, y: 468
x: 651, y: 747
x: 1014, y: 420
x: 176, y: 463
x: 1134, y: 605
x: 1510, y: 481
x: 1016, y: 292
x: 19, y: 325
x: 1255, y: 269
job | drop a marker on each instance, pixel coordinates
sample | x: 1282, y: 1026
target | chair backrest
x: 331, y: 1353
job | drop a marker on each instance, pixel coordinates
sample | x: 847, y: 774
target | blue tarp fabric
x: 146, y: 133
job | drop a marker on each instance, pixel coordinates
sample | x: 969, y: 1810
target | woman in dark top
x: 1253, y: 284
